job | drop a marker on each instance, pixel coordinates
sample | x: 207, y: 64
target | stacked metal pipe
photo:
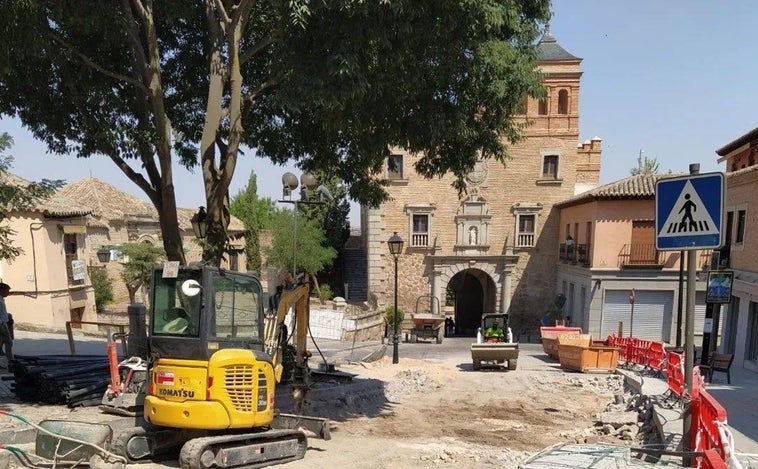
x: 74, y: 380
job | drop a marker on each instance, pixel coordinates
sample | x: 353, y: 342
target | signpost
x: 689, y: 215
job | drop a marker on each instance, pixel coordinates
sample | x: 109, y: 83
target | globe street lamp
x: 395, y: 244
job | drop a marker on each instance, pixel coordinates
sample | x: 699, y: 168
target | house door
x: 642, y: 249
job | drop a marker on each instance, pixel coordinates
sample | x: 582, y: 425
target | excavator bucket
x: 60, y: 445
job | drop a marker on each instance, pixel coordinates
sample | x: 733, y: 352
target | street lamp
x: 395, y: 244
x: 199, y: 224
x: 308, y: 183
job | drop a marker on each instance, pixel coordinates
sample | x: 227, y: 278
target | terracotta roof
x: 57, y: 205
x: 109, y: 203
x: 733, y: 145
x: 641, y: 186
x: 106, y: 201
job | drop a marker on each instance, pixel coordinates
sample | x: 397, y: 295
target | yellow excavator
x: 215, y: 362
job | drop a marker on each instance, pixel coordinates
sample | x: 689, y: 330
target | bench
x: 719, y: 362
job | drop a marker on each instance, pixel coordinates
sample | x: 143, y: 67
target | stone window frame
x: 545, y: 179
x: 420, y: 240
x: 523, y: 210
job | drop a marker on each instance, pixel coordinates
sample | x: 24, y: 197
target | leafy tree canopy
x: 310, y: 252
x: 329, y: 85
x: 138, y: 268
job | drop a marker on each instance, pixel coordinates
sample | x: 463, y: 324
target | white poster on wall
x: 78, y: 270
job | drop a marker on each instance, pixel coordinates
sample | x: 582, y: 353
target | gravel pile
x: 409, y: 382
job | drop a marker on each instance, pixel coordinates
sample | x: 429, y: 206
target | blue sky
x: 675, y: 79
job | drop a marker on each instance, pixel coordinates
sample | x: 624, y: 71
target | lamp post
x: 199, y: 223
x: 395, y: 244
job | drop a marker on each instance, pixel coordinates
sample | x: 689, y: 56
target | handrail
x: 70, y: 333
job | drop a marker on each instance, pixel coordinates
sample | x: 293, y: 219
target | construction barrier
x: 646, y: 353
x: 709, y: 428
x: 675, y: 373
x: 712, y: 460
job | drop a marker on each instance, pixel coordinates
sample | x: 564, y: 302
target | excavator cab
x: 205, y: 309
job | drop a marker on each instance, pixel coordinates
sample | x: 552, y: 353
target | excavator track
x: 244, y: 451
x: 138, y: 444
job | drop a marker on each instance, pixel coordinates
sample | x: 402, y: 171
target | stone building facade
x: 740, y: 251
x: 495, y: 248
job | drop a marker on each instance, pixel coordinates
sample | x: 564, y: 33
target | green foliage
x: 17, y: 195
x: 245, y: 207
x: 646, y: 166
x: 138, y: 269
x: 328, y: 86
x: 102, y: 285
x: 449, y: 297
x: 391, y: 319
x: 310, y: 253
x: 326, y: 292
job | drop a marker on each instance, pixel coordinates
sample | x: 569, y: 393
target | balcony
x: 576, y: 253
x: 525, y: 240
x: 419, y: 240
x: 641, y: 256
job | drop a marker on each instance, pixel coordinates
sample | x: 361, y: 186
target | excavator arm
x: 297, y: 299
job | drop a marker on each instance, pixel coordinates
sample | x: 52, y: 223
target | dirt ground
x: 439, y: 414
x: 420, y: 414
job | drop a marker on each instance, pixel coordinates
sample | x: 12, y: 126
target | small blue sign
x: 689, y: 212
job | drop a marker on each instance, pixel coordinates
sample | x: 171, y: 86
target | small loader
x: 494, y: 349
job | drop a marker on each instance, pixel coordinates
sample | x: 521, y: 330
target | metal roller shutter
x: 651, y: 310
x: 700, y: 316
x: 615, y: 309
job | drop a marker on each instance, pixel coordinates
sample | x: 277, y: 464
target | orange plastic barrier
x: 709, y: 427
x: 651, y: 355
x: 712, y: 460
x: 675, y: 373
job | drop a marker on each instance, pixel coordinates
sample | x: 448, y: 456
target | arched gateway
x: 480, y: 286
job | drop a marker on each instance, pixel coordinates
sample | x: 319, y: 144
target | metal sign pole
x: 689, y: 340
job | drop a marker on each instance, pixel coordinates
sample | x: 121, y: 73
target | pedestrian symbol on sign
x: 688, y: 216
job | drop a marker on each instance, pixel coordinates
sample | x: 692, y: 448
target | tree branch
x: 257, y: 47
x: 93, y: 65
x: 222, y: 12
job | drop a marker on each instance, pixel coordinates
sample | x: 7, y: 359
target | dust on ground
x: 419, y: 414
x: 434, y: 414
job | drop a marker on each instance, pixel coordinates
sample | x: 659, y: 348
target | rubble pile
x: 409, y: 382
x: 629, y: 417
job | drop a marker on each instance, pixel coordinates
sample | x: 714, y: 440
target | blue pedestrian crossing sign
x: 689, y: 212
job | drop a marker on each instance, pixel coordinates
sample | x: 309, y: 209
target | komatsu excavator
x: 215, y: 361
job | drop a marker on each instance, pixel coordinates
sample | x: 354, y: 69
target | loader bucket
x: 62, y: 448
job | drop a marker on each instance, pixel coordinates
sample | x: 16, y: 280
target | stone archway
x: 475, y: 294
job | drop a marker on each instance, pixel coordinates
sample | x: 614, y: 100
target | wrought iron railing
x: 641, y: 255
x: 582, y: 254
